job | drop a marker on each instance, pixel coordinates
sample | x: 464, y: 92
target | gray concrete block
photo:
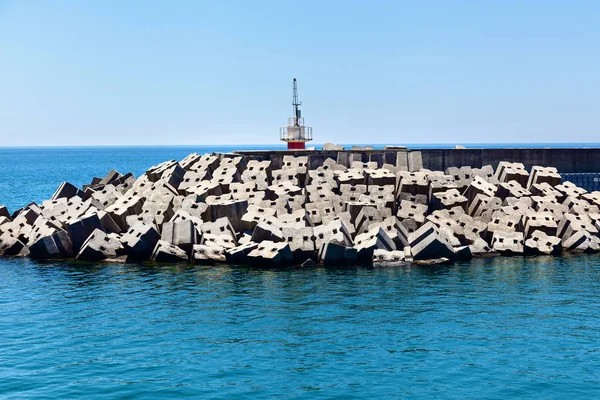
x: 366, y: 243
x: 508, y: 171
x: 570, y: 223
x: 508, y: 242
x: 100, y: 246
x: 81, y: 230
x: 547, y: 175
x: 415, y: 161
x: 511, y: 189
x: 334, y: 254
x: 124, y: 207
x: 239, y: 254
x: 140, y: 241
x: 581, y: 241
x: 68, y: 191
x: 539, y: 221
x: 270, y: 254
x: 428, y: 242
x: 165, y: 252
x: 449, y: 199
x: 541, y: 243
x: 479, y: 186
x: 12, y: 246
x: 207, y: 255
x: 387, y: 258
x: 57, y: 245
x: 181, y: 233
x: 334, y: 231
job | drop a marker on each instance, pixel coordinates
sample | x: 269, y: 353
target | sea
x: 497, y: 328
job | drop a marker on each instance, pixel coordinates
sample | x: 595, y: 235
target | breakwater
x: 330, y: 207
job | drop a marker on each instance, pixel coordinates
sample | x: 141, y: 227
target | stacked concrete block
x: 301, y: 241
x: 67, y: 190
x: 239, y: 254
x: 388, y: 258
x: 57, y: 245
x: 283, y: 189
x: 257, y: 172
x: 81, y: 230
x: 429, y: 242
x: 101, y: 246
x: 366, y: 243
x: 479, y: 186
x: 207, y: 255
x: 269, y: 253
x: 223, y: 241
x: 350, y: 177
x: 268, y: 229
x: 140, y: 241
x: 487, y: 173
x: 105, y: 197
x: 334, y: 231
x: 539, y: 221
x: 440, y: 183
x: 541, y: 243
x: 410, y: 210
x: 504, y: 223
x: 413, y: 183
x: 544, y: 189
x: 336, y: 253
x: 505, y: 242
x: 181, y: 233
x: 191, y: 181
x: 592, y: 198
x: 547, y: 175
x: 124, y: 207
x: 570, y: 223
x: 463, y: 176
x: 449, y: 199
x: 285, y: 175
x: 508, y: 171
x: 511, y: 189
x: 254, y: 215
x: 380, y: 177
x: 232, y: 209
x: 415, y: 161
x: 581, y: 241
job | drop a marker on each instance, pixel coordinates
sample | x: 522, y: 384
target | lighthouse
x: 296, y: 134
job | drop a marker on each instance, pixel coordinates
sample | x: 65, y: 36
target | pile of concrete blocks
x: 354, y: 209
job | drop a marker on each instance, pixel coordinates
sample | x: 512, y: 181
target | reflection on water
x: 500, y: 327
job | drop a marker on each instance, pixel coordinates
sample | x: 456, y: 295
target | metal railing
x: 288, y: 133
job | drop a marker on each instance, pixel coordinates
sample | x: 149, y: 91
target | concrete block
x: 386, y: 258
x: 487, y: 173
x: 511, y: 189
x: 195, y: 209
x: 140, y: 241
x: 592, y: 198
x: 544, y: 189
x: 268, y: 229
x: 182, y: 233
x: 508, y: 171
x: 100, y: 246
x: 547, y: 175
x: 571, y: 223
x: 581, y: 241
x: 221, y: 226
x: 569, y: 189
x: 541, y: 243
x: 283, y: 189
x: 159, y: 212
x: 233, y: 209
x: 410, y: 210
x: 334, y: 231
x: 190, y: 181
x: 207, y: 255
x: 363, y: 165
x: 57, y: 245
x: 4, y: 212
x: 415, y: 161
x: 254, y: 215
x: 332, y: 147
x: 413, y: 183
x: 270, y: 254
x: 366, y: 243
x: 539, y: 221
x: 469, y: 230
x: 334, y: 254
x: 68, y: 191
x: 349, y: 177
x: 301, y: 241
x: 165, y: 252
x: 81, y: 230
x: 12, y: 246
x: 428, y: 242
x: 479, y: 186
x: 124, y: 207
x: 297, y: 219
x: 508, y: 242
x: 105, y: 197
x: 449, y: 199
x: 239, y: 254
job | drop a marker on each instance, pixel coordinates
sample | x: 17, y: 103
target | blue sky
x: 211, y: 72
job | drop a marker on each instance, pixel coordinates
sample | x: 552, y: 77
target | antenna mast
x: 296, y: 103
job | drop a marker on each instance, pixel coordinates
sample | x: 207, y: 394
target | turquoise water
x: 495, y: 328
